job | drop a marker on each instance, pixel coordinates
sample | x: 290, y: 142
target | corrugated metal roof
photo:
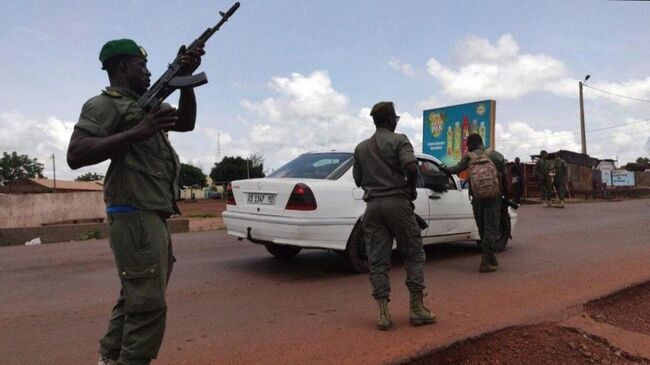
x: 70, y: 185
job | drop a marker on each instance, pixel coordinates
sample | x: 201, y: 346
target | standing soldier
x: 559, y: 165
x: 386, y: 168
x: 542, y: 172
x: 140, y: 191
x: 487, y: 172
x: 517, y: 173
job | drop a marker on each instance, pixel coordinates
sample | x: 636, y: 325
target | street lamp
x: 583, y: 138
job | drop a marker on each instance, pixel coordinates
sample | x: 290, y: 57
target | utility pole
x: 583, y: 137
x: 248, y: 174
x: 54, y: 171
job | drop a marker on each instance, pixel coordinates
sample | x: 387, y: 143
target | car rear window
x: 328, y: 165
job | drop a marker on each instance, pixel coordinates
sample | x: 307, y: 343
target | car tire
x: 354, y: 256
x: 282, y: 251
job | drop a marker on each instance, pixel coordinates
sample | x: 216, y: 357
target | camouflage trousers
x: 141, y: 244
x: 487, y: 214
x: 560, y: 187
x: 545, y: 190
x: 387, y: 219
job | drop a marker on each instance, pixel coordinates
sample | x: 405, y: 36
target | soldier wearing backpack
x: 487, y: 169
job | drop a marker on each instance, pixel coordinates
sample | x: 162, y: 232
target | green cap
x: 383, y: 108
x: 121, y: 47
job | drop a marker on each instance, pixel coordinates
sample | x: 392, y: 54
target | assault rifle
x: 509, y: 203
x: 170, y: 80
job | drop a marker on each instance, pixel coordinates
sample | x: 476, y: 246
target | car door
x: 450, y: 215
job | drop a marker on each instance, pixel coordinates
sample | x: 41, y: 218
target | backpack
x: 483, y: 176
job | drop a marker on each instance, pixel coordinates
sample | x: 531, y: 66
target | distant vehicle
x: 312, y: 202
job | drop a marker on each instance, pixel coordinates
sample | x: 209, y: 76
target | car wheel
x: 355, y: 256
x: 282, y: 251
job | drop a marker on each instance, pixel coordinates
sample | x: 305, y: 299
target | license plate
x: 266, y: 199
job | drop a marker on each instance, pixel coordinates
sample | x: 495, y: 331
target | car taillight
x: 230, y: 197
x: 301, y: 198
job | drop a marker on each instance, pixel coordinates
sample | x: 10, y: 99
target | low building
x: 579, y: 174
x: 38, y: 186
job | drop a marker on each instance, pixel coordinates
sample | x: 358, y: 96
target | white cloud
x: 409, y: 121
x: 626, y: 143
x: 519, y: 139
x: 40, y: 138
x: 482, y: 69
x: 487, y: 70
x: 402, y: 67
x: 306, y: 113
x: 303, y: 97
x: 627, y: 91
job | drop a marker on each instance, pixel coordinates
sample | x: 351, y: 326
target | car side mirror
x: 436, y: 181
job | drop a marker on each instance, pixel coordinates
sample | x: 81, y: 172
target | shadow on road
x: 321, y: 264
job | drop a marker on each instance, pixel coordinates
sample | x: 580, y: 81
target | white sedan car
x: 312, y: 202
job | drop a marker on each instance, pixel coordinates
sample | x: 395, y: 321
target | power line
x: 574, y: 133
x: 618, y: 125
x: 618, y: 95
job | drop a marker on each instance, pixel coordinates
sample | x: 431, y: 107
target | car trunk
x: 262, y: 196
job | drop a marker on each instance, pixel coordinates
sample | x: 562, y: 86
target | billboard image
x: 445, y: 129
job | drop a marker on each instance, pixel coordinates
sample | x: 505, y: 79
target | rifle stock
x: 509, y: 203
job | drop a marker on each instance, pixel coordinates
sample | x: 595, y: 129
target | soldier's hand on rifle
x: 191, y: 59
x: 160, y: 118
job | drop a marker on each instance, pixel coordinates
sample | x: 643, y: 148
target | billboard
x: 445, y: 129
x: 621, y: 178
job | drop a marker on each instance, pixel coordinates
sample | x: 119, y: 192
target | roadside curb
x: 71, y: 232
x: 633, y: 343
x: 620, y: 341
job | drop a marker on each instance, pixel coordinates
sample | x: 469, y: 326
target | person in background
x: 487, y: 172
x: 560, y: 168
x: 542, y: 173
x: 517, y: 173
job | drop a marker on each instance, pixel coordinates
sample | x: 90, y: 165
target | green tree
x: 643, y: 160
x: 237, y: 168
x: 89, y: 176
x: 14, y: 166
x: 192, y: 176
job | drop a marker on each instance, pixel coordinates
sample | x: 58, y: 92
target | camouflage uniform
x: 487, y: 212
x: 560, y: 167
x: 389, y: 212
x: 144, y: 178
x: 542, y: 172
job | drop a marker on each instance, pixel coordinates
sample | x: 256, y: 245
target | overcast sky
x: 287, y: 77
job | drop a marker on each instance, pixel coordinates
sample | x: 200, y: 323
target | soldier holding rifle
x: 127, y: 124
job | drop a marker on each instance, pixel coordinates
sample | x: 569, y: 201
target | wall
x: 71, y: 232
x: 642, y: 178
x: 32, y: 210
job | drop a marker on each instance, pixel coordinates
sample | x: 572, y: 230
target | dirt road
x: 231, y: 303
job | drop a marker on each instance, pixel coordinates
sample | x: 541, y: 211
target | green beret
x: 383, y: 108
x: 121, y: 47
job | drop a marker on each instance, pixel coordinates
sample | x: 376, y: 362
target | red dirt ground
x: 627, y: 309
x: 550, y: 343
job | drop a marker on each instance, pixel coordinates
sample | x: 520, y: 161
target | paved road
x: 231, y: 303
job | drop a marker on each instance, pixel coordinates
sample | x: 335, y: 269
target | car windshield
x: 315, y: 166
